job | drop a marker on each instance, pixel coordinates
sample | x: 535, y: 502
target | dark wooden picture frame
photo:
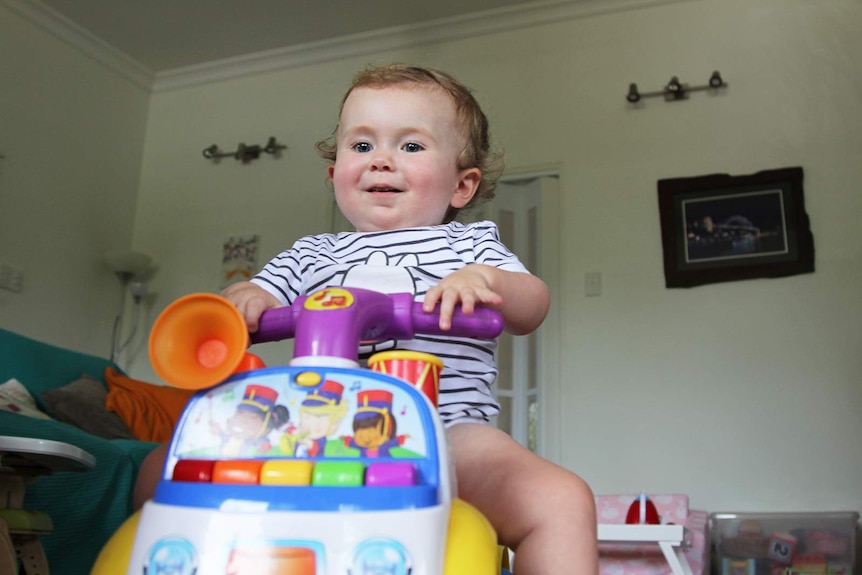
x: 720, y: 228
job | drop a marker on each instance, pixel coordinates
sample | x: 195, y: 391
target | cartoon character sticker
x: 279, y: 416
x: 320, y: 414
x: 246, y: 431
x: 375, y: 428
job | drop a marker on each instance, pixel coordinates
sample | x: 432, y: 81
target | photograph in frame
x: 719, y: 228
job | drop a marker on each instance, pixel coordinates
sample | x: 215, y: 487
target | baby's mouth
x: 384, y: 190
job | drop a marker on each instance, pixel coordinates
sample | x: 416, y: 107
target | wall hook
x: 675, y: 90
x: 244, y: 153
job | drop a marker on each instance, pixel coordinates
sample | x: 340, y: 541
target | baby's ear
x: 467, y: 186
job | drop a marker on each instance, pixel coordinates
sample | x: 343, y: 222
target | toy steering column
x: 330, y: 324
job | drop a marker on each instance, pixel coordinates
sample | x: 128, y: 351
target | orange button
x: 237, y: 471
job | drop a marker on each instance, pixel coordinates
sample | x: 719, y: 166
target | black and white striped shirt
x: 398, y: 261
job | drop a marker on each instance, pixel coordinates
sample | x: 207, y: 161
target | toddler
x: 411, y: 149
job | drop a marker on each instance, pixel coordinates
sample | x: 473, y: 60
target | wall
x: 745, y: 395
x: 72, y: 131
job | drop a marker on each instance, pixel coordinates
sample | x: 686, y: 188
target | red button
x: 196, y: 470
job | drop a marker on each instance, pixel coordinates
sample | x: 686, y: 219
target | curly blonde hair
x: 477, y: 152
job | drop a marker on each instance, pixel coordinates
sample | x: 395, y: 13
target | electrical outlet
x: 11, y: 278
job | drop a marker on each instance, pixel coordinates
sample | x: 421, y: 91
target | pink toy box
x: 647, y: 558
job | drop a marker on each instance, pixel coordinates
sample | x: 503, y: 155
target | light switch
x: 592, y: 284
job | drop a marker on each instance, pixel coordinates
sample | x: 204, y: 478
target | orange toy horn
x: 198, y: 341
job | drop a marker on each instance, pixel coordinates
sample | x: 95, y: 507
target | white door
x: 528, y: 383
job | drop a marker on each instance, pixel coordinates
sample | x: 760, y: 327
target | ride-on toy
x: 317, y: 468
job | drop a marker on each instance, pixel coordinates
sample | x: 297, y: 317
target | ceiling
x: 170, y: 34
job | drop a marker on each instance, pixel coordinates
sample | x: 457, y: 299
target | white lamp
x: 127, y: 265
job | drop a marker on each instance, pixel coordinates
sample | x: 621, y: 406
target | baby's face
x: 397, y: 158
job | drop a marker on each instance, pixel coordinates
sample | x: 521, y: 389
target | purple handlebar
x: 327, y: 326
x: 483, y: 323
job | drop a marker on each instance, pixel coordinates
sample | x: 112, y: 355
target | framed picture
x: 239, y: 259
x: 720, y: 228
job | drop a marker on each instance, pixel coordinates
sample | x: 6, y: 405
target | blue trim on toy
x: 295, y: 498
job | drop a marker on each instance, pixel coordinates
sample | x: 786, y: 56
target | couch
x: 86, y: 507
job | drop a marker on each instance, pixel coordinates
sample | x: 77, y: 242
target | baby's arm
x: 523, y: 299
x: 251, y: 300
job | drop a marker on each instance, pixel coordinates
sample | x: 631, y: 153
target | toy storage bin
x: 784, y: 543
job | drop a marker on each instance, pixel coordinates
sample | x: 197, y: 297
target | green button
x: 338, y: 474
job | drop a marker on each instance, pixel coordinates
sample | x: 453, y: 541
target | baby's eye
x: 412, y: 147
x: 361, y: 147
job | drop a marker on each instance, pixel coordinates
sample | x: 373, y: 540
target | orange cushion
x: 150, y: 411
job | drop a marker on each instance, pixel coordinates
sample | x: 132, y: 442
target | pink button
x: 390, y: 474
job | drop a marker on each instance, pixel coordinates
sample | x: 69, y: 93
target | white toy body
x: 237, y: 528
x: 317, y: 468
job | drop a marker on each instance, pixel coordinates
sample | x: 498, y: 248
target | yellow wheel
x: 114, y: 557
x: 471, y: 548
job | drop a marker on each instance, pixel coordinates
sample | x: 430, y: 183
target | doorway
x: 526, y: 210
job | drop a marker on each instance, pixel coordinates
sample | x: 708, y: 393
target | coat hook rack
x: 675, y: 90
x: 244, y: 153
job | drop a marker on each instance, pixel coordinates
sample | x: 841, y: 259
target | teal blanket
x: 86, y: 507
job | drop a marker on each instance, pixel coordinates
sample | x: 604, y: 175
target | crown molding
x: 82, y: 40
x: 398, y: 37
x: 471, y: 25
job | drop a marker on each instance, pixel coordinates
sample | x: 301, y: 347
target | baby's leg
x: 542, y: 511
x: 148, y: 476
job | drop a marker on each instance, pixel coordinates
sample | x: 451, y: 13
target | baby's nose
x: 381, y: 160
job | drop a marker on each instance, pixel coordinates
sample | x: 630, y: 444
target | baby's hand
x: 251, y: 301
x: 469, y: 286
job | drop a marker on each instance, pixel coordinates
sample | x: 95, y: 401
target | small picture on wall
x: 239, y: 259
x: 719, y: 228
